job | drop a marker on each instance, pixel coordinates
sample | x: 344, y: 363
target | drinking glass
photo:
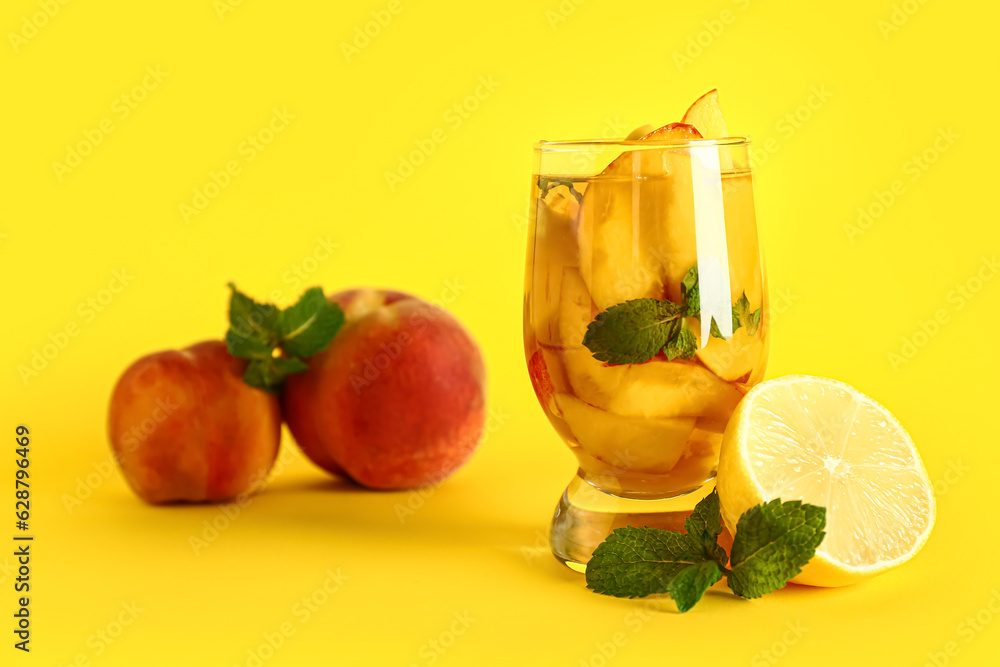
x: 616, y: 221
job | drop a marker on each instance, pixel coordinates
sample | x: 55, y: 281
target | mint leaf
x: 636, y: 562
x: 682, y: 346
x: 690, y: 292
x: 773, y: 542
x: 740, y: 310
x: 253, y: 327
x: 268, y: 374
x: 714, y: 330
x: 274, y: 340
x: 705, y: 522
x: 743, y: 316
x: 247, y: 348
x: 634, y: 331
x: 309, y: 326
x: 546, y: 184
x: 704, y: 526
x: 690, y: 584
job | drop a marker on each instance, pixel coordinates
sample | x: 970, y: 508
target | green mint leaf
x: 689, y: 290
x: 636, y: 562
x: 743, y: 316
x: 684, y: 345
x: 773, y: 542
x: 740, y: 311
x: 247, y: 348
x: 690, y: 584
x: 714, y: 329
x: 268, y: 374
x: 742, y: 305
x: 704, y: 526
x: 253, y: 327
x: 546, y: 184
x: 634, y: 331
x: 309, y: 325
x: 274, y: 340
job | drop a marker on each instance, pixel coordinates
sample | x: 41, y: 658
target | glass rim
x: 579, y: 144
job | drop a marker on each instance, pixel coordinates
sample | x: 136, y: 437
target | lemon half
x: 823, y: 442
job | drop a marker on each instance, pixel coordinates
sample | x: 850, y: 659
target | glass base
x: 586, y: 515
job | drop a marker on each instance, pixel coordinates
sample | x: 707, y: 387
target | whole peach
x: 397, y: 400
x: 185, y: 427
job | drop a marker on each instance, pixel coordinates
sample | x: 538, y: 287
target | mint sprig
x: 276, y: 341
x: 635, y: 331
x: 545, y: 184
x: 772, y: 543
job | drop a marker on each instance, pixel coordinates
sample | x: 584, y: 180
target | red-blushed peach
x: 397, y: 400
x: 185, y: 427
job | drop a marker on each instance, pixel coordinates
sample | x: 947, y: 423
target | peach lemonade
x: 645, y: 310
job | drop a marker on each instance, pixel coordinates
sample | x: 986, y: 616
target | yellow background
x: 454, y: 230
